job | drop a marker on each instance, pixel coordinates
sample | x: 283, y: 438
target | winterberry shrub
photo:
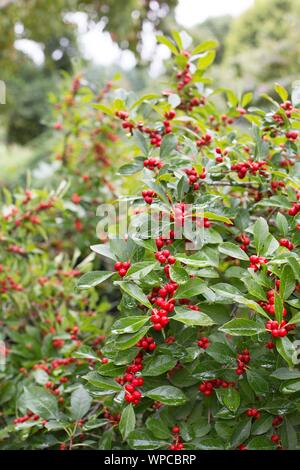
x: 203, y: 354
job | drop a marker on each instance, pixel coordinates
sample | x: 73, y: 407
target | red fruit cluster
x: 295, y: 209
x: 9, y: 284
x: 177, y: 440
x: 132, y: 395
x: 288, y: 107
x: 122, y: 115
x: 269, y: 306
x: 184, y: 76
x: 277, y: 421
x: 76, y: 198
x: 286, y: 243
x: 147, y: 343
x: 159, y: 318
x: 148, y: 195
x: 58, y: 343
x: 122, y: 267
x: 253, y: 413
x: 152, y: 163
x: 113, y: 418
x: 208, y: 386
x: 256, y: 262
x: 160, y: 241
x: 206, y: 139
x: 275, y: 185
x: 193, y: 177
x: 28, y: 417
x: 203, y: 343
x: 242, y: 360
x: 279, y: 329
x: 245, y: 240
x: 164, y: 256
x: 220, y: 154
x: 170, y: 114
x: 242, y: 168
x: 292, y: 135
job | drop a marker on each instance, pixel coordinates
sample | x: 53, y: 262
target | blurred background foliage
x: 256, y: 49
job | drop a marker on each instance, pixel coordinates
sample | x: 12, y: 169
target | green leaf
x: 131, y: 168
x: 229, y: 397
x: 287, y: 282
x: 104, y: 250
x: 167, y: 395
x: 127, y: 341
x: 217, y: 217
x: 262, y: 425
x: 247, y: 98
x: 158, y: 364
x: 40, y: 402
x: 260, y: 443
x: 80, y: 403
x: 141, y: 142
x: 179, y: 274
x: 192, y: 288
x: 241, y: 327
x: 290, y: 387
x: 135, y: 291
x: 158, y: 427
x: 286, y: 374
x: 167, y: 42
x: 103, y: 383
x: 206, y: 60
x: 282, y: 224
x: 205, y: 46
x: 258, y: 384
x: 168, y: 146
x: 192, y: 317
x: 93, y: 278
x: 221, y: 353
x: 143, y: 440
x: 281, y: 91
x: 241, y: 433
x: 129, y: 324
x: 286, y: 349
x: 260, y: 231
x: 127, y: 421
x: 232, y: 250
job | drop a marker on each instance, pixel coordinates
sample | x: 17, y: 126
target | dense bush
x: 203, y: 354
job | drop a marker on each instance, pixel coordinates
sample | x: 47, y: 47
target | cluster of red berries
x: 9, y: 284
x: 164, y: 256
x: 206, y: 139
x: 286, y: 243
x: 113, y: 418
x: 242, y: 168
x: 275, y: 185
x: 288, y: 107
x: 184, y: 76
x: 169, y: 115
x: 244, y: 240
x: 242, y: 360
x: 194, y: 176
x: 253, y: 413
x: 177, y: 439
x: 132, y: 395
x: 160, y: 241
x: 208, y: 386
x: 148, y: 195
x: 203, y: 343
x: 122, y: 115
x: 279, y: 329
x: 292, y: 135
x: 295, y: 209
x: 147, y: 343
x: 152, y: 163
x: 58, y: 343
x: 76, y: 198
x: 122, y: 267
x: 159, y: 318
x: 28, y: 417
x: 269, y: 306
x: 220, y: 153
x: 257, y: 261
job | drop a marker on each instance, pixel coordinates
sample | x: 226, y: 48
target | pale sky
x: 98, y: 46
